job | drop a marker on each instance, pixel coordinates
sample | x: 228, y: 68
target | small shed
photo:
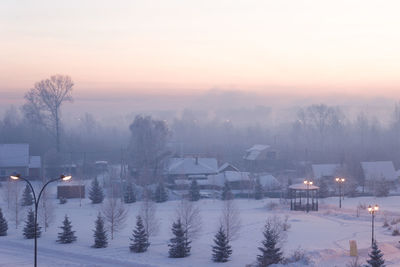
x: 303, y: 197
x: 71, y: 191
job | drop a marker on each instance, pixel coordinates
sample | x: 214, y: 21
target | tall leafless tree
x: 14, y: 191
x: 189, y: 214
x: 148, y: 213
x: 44, y: 101
x: 147, y: 148
x: 230, y: 219
x: 46, y: 211
x: 115, y: 215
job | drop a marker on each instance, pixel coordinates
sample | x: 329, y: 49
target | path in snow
x: 53, y: 257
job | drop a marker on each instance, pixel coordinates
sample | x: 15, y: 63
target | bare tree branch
x: 115, y: 215
x: 230, y: 219
x: 43, y: 103
x: 189, y: 214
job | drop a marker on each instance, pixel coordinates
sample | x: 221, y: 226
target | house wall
x: 71, y: 191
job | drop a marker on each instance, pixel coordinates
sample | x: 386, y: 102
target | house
x: 269, y: 182
x: 325, y: 171
x: 260, y: 153
x: 227, y: 167
x: 261, y: 158
x: 378, y: 171
x: 191, y: 168
x: 15, y: 158
x: 236, y: 180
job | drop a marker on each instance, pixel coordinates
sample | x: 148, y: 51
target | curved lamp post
x: 340, y: 182
x: 18, y: 177
x: 308, y: 183
x: 372, y: 210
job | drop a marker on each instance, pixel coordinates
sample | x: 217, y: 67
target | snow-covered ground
x: 324, y: 235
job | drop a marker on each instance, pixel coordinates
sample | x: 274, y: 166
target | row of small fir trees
x: 96, y: 193
x: 179, y: 245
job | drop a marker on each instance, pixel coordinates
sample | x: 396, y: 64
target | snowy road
x: 22, y: 255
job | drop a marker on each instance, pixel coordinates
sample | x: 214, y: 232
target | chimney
x: 197, y: 160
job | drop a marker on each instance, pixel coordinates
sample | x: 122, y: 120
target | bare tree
x: 16, y: 209
x: 46, y: 211
x: 230, y: 219
x: 147, y: 148
x: 115, y: 215
x: 44, y: 101
x: 148, y: 214
x: 189, y: 214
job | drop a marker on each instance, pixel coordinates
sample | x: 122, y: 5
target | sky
x: 175, y: 47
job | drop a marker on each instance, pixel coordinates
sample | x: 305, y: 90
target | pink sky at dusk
x: 176, y: 47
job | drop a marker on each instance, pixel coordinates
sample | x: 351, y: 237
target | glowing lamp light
x: 66, y: 178
x: 15, y: 176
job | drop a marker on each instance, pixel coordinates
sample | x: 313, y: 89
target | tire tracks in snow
x: 60, y: 257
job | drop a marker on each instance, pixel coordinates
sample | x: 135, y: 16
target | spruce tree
x: 96, y: 194
x: 271, y: 253
x: 258, y: 190
x: 67, y: 235
x: 140, y: 240
x: 3, y: 224
x: 27, y: 198
x: 100, y: 233
x: 222, y: 250
x: 179, y: 246
x: 29, y: 229
x: 226, y: 192
x: 376, y: 257
x: 160, y: 195
x: 194, y: 192
x: 129, y: 194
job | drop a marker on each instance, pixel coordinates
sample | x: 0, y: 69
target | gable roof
x: 190, y: 166
x: 321, y: 170
x: 14, y: 155
x: 378, y: 170
x: 227, y: 167
x: 255, y: 151
x: 268, y: 180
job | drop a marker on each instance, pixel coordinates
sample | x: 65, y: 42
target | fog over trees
x: 318, y: 133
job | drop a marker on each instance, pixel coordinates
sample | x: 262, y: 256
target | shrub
x: 63, y: 200
x: 298, y: 256
x: 396, y: 232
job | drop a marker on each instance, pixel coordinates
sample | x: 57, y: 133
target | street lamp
x: 340, y: 182
x: 18, y: 177
x: 372, y: 210
x: 308, y: 183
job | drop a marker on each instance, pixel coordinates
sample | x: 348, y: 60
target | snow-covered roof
x: 268, y: 180
x: 35, y: 162
x: 303, y: 186
x: 227, y: 167
x: 254, y: 152
x: 379, y: 170
x: 321, y: 170
x: 188, y: 166
x: 229, y: 176
x: 14, y: 155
